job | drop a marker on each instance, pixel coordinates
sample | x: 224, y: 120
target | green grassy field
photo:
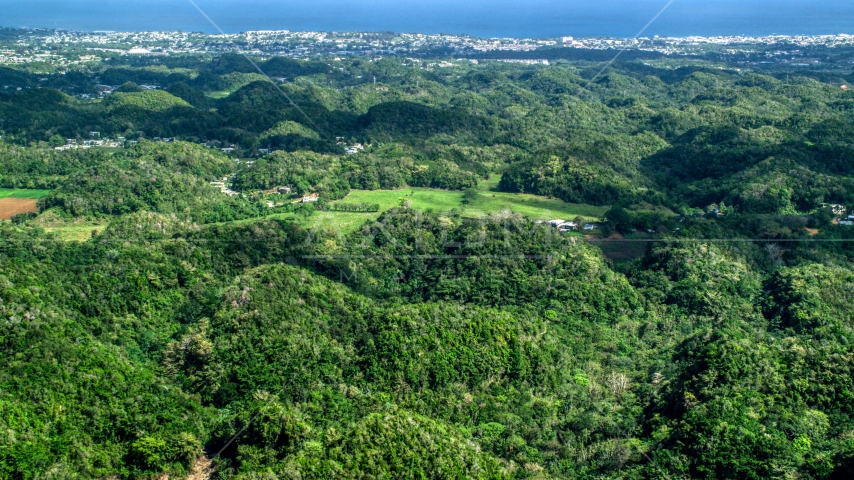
x: 342, y: 222
x: 218, y: 95
x: 22, y: 193
x: 67, y: 229
x: 538, y: 208
x: 442, y: 201
x: 76, y: 233
x: 422, y: 198
x: 488, y: 201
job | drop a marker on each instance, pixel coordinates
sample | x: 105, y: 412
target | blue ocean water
x: 493, y: 18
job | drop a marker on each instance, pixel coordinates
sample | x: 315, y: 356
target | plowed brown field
x: 9, y: 207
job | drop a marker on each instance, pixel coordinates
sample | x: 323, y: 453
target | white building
x: 139, y: 51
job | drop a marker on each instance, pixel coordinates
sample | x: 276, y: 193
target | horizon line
x: 441, y: 34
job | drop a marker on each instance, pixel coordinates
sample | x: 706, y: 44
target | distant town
x: 58, y: 50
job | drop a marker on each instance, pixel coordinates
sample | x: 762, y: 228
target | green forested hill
x: 152, y: 101
x: 199, y: 307
x: 690, y: 366
x: 688, y: 136
x: 167, y: 178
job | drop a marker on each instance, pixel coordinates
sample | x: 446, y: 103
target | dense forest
x: 207, y: 320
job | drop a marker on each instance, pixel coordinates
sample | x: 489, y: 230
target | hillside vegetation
x: 412, y: 322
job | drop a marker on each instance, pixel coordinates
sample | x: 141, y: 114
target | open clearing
x: 9, y: 207
x: 76, y: 233
x: 23, y: 193
x: 19, y: 200
x: 488, y: 201
x: 69, y: 230
x: 218, y: 95
x: 443, y: 201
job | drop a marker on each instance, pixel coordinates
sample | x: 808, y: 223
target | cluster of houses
x: 839, y: 211
x: 351, y: 149
x: 287, y: 189
x: 354, y: 149
x: 224, y: 186
x: 101, y: 91
x: 714, y: 211
x: 835, y: 208
x: 232, y: 148
x: 226, y: 149
x: 96, y: 141
x: 847, y: 221
x: 105, y: 90
x: 564, y: 226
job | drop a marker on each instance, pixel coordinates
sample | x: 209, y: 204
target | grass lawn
x: 422, y: 198
x: 76, y: 233
x: 533, y: 206
x: 341, y: 223
x: 489, y: 201
x: 218, y: 95
x: 69, y: 230
x: 490, y: 184
x: 442, y: 201
x: 22, y: 193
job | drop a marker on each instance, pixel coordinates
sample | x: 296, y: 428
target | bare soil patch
x: 9, y: 207
x: 202, y: 469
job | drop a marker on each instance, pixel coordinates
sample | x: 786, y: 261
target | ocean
x: 494, y: 18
